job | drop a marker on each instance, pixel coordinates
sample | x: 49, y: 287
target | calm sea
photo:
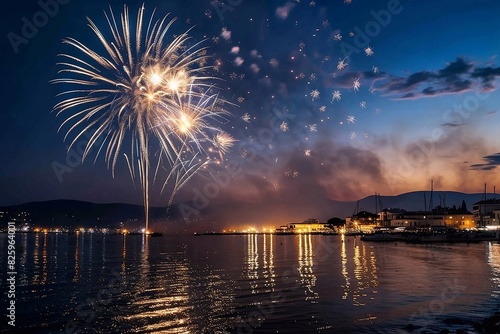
x: 92, y: 283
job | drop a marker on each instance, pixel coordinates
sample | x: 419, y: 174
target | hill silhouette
x: 216, y: 216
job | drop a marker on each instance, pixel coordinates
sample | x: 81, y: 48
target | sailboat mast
x: 483, y: 208
x: 431, y: 205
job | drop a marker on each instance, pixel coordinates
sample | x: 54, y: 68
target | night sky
x: 427, y: 104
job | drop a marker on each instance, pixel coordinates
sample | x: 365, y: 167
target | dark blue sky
x: 426, y: 108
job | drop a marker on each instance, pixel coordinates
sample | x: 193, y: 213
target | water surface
x: 249, y: 284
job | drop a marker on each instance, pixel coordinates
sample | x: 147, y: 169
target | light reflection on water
x: 345, y: 273
x: 249, y: 283
x: 494, y: 262
x: 308, y: 279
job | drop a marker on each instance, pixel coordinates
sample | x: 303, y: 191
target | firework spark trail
x: 140, y: 89
x: 190, y: 128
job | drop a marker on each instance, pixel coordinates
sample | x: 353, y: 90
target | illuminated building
x: 495, y: 224
x: 484, y: 212
x: 363, y: 221
x: 310, y: 225
x: 428, y: 219
x: 386, y: 216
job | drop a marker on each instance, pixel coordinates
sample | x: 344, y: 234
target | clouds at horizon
x: 335, y: 173
x: 456, y: 77
x: 492, y: 161
x: 342, y: 172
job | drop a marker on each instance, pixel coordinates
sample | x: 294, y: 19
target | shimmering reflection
x: 494, y: 262
x: 257, y: 283
x: 260, y: 266
x: 306, y: 264
x: 345, y: 273
x: 89, y: 253
x: 360, y: 279
x: 36, y: 261
x: 366, y: 278
x: 43, y: 279
x: 145, y: 256
x: 144, y: 267
x: 103, y: 253
x: 373, y: 270
x: 76, y: 275
x: 166, y: 293
x: 360, y: 274
x: 160, y: 297
x: 252, y: 259
x: 213, y: 300
x: 53, y: 259
x: 269, y: 274
x: 124, y: 255
x: 23, y: 276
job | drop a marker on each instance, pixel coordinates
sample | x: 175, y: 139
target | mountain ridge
x: 216, y: 216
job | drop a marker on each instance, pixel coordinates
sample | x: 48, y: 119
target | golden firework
x: 140, y: 89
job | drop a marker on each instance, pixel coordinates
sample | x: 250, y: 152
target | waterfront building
x: 283, y: 229
x: 428, y: 219
x: 461, y: 221
x: 310, y: 225
x: 495, y: 224
x: 417, y: 219
x: 362, y: 221
x: 459, y: 218
x: 483, y: 212
x: 386, y: 216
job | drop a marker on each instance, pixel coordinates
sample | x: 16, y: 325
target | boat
x: 156, y: 234
x: 353, y: 233
x: 449, y: 237
x: 383, y: 237
x: 332, y: 232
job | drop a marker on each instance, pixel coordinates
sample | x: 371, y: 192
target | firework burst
x: 138, y: 92
x: 223, y: 142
